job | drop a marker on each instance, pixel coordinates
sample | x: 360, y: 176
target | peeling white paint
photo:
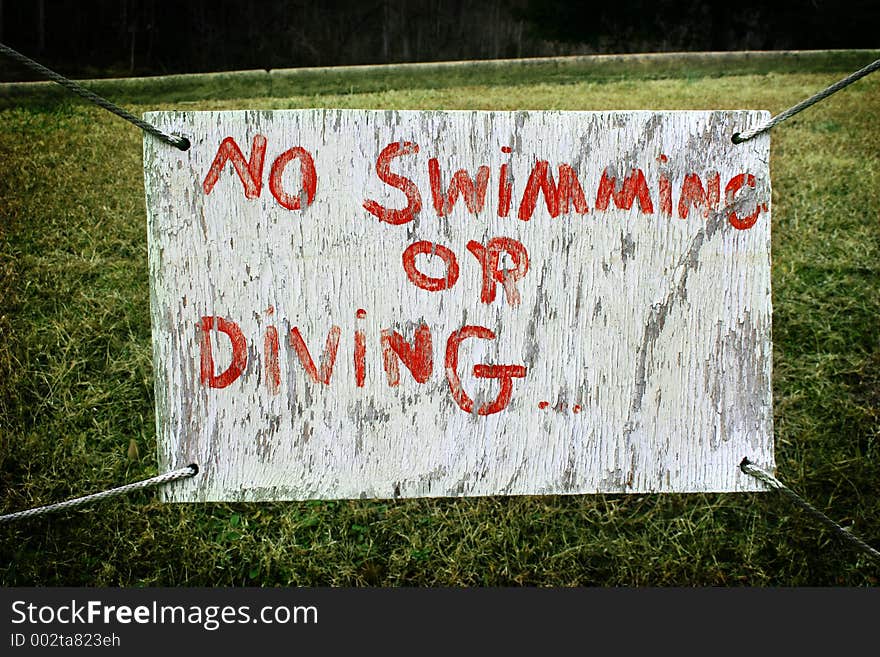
x: 656, y: 328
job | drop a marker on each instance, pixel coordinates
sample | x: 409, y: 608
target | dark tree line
x: 662, y: 25
x: 142, y: 37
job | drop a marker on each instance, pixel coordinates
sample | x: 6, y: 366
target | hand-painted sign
x: 378, y: 304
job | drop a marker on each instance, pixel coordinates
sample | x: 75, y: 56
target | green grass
x: 76, y: 378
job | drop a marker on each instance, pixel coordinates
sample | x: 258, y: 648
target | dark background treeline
x: 93, y: 38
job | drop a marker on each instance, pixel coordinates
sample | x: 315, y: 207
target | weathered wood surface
x: 642, y: 338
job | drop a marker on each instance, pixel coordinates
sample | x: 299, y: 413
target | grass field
x: 76, y: 396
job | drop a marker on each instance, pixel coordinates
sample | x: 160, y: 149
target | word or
x: 489, y: 257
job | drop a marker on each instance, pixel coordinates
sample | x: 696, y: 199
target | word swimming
x: 417, y: 356
x: 563, y: 193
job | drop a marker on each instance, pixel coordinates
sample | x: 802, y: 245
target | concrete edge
x: 379, y: 77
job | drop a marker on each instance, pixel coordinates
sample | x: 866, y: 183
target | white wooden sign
x: 379, y: 303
